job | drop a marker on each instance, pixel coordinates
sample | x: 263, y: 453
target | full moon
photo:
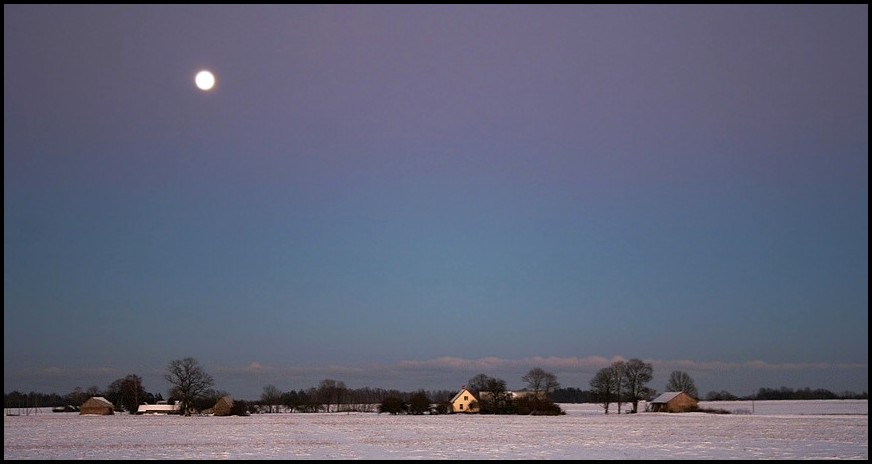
x: 205, y: 80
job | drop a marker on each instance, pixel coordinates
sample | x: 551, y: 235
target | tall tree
x: 496, y: 399
x: 478, y: 384
x: 77, y: 396
x: 331, y: 392
x: 681, y: 381
x: 617, y: 368
x: 419, y: 403
x: 603, y: 387
x: 132, y: 392
x: 637, y: 374
x: 113, y: 394
x: 271, y: 398
x: 189, y: 381
x: 540, y: 381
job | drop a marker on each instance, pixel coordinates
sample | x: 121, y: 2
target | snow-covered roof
x: 102, y: 401
x: 666, y: 397
x: 146, y: 408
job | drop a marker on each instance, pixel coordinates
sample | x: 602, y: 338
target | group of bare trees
x: 623, y: 382
x: 418, y: 403
x: 128, y: 392
x: 626, y: 382
x: 328, y: 396
x: 680, y: 381
x: 334, y: 396
x: 494, y: 397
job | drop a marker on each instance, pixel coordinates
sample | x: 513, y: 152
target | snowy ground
x: 776, y: 430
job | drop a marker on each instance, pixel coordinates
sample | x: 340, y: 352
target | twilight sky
x: 406, y: 196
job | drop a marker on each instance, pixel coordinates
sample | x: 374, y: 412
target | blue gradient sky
x: 407, y: 196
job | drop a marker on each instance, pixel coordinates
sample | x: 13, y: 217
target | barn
x: 673, y: 402
x: 223, y: 406
x: 97, y: 405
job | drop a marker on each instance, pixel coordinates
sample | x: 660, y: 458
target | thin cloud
x: 451, y: 364
x: 447, y: 372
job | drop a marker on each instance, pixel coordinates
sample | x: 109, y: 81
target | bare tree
x: 496, y: 399
x: 331, y: 392
x: 419, y: 403
x: 681, y: 381
x: 540, y: 381
x: 132, y: 392
x: 77, y: 396
x: 478, y: 384
x: 271, y: 398
x: 637, y: 374
x: 604, y: 387
x: 189, y: 381
x: 618, y: 368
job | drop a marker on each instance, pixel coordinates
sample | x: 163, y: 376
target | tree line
x: 622, y: 382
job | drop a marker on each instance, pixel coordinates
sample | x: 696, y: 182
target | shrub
x: 537, y: 407
x: 393, y: 405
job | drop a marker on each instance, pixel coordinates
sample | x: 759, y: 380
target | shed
x: 223, y: 406
x: 97, y: 405
x: 673, y: 402
x: 160, y: 408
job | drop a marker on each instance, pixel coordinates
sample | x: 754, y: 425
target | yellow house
x: 464, y: 401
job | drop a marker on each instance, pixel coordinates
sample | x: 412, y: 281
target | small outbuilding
x: 673, y: 402
x: 464, y: 401
x: 97, y: 405
x: 223, y: 406
x: 160, y: 408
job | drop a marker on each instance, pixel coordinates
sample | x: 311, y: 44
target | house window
x: 465, y: 398
x: 461, y: 407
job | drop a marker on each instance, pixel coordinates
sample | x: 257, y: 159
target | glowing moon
x: 205, y: 80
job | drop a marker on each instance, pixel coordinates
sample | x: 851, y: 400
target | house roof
x: 666, y: 397
x: 143, y: 408
x: 101, y: 401
x: 460, y: 393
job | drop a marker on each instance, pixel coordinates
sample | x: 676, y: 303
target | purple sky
x: 407, y: 196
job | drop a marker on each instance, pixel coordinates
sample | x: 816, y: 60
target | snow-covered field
x: 837, y: 429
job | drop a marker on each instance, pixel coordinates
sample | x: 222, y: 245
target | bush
x: 419, y: 403
x: 442, y: 408
x: 240, y: 408
x: 713, y: 411
x: 393, y: 405
x: 537, y: 407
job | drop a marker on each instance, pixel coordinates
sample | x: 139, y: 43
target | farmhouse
x: 673, y: 402
x: 160, y: 408
x: 97, y: 405
x: 464, y: 401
